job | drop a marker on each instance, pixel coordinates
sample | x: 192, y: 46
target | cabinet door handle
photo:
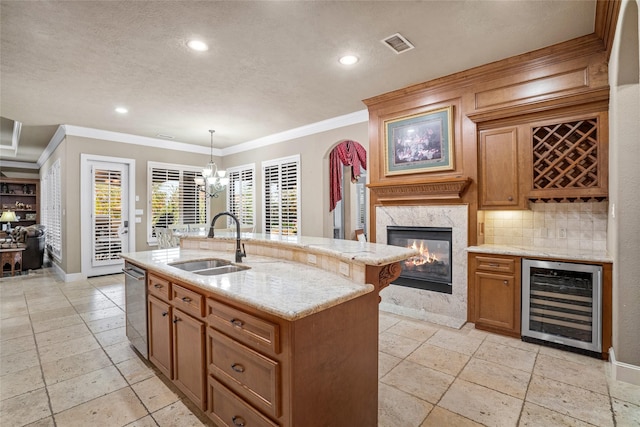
x: 506, y: 282
x: 157, y: 286
x: 238, y: 421
x: 510, y: 199
x: 237, y: 322
x: 164, y: 314
x: 176, y: 319
x: 186, y: 299
x: 237, y: 367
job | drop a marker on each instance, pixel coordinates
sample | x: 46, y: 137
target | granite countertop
x: 348, y: 250
x: 530, y: 251
x: 283, y: 288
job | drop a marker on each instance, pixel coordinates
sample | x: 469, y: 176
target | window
x: 241, y: 194
x: 52, y: 209
x: 173, y: 197
x: 281, y: 194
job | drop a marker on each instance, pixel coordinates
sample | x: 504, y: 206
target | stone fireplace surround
x: 436, y: 307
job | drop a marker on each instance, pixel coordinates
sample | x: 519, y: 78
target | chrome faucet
x: 240, y: 253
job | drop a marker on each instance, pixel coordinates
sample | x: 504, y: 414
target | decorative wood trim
x: 436, y: 189
x: 382, y: 276
x: 589, y: 100
x: 581, y: 46
x: 607, y: 12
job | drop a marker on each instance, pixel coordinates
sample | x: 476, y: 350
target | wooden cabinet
x: 244, y: 361
x: 21, y: 196
x: 244, y: 366
x: 494, y: 284
x: 176, y: 335
x: 160, y: 335
x: 188, y: 356
x: 500, y: 166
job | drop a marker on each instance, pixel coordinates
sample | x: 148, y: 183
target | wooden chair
x: 166, y: 239
x: 360, y: 236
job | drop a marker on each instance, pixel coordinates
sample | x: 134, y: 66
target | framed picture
x: 419, y: 143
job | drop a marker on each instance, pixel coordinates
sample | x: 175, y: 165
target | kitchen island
x: 292, y: 340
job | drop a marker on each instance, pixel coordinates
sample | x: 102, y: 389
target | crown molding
x: 361, y: 116
x: 299, y: 132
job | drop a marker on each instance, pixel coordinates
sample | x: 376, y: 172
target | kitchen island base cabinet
x: 320, y: 370
x: 160, y: 345
x: 188, y: 356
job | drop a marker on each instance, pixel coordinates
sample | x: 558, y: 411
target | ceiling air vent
x: 398, y: 43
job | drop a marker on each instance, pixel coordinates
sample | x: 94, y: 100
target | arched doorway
x: 348, y: 202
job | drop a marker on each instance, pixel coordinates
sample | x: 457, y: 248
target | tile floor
x: 65, y: 361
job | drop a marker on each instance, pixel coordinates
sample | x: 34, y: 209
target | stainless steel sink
x: 202, y: 264
x: 209, y: 267
x: 221, y: 270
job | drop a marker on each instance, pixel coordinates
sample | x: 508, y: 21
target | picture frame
x: 421, y: 142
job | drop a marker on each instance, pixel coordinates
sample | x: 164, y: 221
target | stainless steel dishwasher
x: 135, y: 284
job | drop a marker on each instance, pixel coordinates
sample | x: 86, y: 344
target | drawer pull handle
x: 237, y: 322
x: 506, y: 282
x: 157, y: 286
x: 238, y: 421
x: 186, y: 299
x: 510, y: 198
x: 237, y: 367
x: 494, y: 265
x: 164, y: 314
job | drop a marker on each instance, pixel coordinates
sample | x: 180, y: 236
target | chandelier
x: 212, y: 180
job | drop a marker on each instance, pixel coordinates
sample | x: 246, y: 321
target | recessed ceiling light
x: 348, y: 60
x: 164, y: 136
x: 121, y: 110
x: 198, y: 45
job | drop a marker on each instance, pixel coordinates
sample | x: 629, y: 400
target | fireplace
x: 430, y: 270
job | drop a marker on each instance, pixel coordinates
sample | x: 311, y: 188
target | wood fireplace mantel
x: 409, y: 191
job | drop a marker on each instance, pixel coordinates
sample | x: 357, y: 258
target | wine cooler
x: 561, y: 304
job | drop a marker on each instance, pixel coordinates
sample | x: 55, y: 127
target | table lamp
x: 8, y: 217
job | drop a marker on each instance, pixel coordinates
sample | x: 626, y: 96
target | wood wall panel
x: 555, y: 83
x: 541, y: 84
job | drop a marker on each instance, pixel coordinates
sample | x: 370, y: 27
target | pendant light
x: 212, y: 181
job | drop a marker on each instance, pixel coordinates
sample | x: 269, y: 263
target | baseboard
x: 64, y: 276
x: 623, y: 371
x: 438, y: 319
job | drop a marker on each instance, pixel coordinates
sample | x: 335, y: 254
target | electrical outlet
x: 344, y: 268
x: 562, y: 233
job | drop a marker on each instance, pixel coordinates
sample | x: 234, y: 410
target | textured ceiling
x: 272, y: 65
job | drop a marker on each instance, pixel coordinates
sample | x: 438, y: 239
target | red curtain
x: 347, y: 153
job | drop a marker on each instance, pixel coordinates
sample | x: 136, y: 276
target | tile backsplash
x: 548, y: 225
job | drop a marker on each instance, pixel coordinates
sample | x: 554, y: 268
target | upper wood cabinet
x: 562, y: 158
x: 500, y: 157
x: 569, y: 157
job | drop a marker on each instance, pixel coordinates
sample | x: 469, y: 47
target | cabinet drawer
x: 248, y: 373
x: 226, y: 409
x: 188, y: 300
x: 159, y: 287
x: 243, y: 326
x: 503, y: 265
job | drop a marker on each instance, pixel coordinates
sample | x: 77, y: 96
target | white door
x: 106, y: 216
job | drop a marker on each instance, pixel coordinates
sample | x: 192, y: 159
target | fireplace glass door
x: 431, y: 268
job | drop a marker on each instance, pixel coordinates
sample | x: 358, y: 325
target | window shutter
x: 241, y: 194
x: 174, y: 197
x: 52, y: 209
x: 107, y: 215
x: 282, y: 196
